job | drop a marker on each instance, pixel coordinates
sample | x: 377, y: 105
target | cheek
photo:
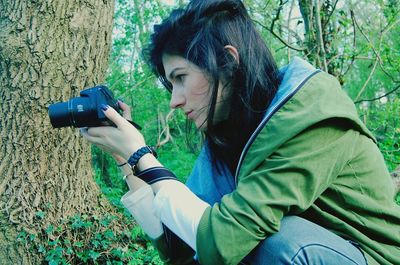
x: 200, y: 89
x: 200, y: 94
x: 201, y: 98
x: 199, y: 102
x: 199, y: 85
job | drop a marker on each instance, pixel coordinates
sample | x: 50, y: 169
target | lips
x: 189, y: 114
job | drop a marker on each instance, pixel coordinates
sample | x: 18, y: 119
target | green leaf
x: 41, y: 249
x: 49, y: 229
x: 94, y: 255
x: 78, y: 244
x: 40, y: 214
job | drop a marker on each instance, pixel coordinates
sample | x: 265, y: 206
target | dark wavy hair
x: 199, y: 33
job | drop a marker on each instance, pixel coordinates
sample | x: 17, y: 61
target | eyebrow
x: 171, y: 75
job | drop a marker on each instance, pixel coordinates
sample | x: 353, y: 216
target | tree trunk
x: 49, y: 51
x: 319, y: 32
x: 307, y: 12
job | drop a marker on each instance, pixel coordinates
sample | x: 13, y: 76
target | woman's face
x: 191, y: 91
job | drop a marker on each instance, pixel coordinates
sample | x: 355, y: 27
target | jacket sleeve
x: 285, y: 183
x: 173, y: 250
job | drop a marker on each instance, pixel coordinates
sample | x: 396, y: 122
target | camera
x: 83, y: 111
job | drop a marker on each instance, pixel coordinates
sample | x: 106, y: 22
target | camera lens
x: 77, y: 112
x: 83, y: 111
x: 59, y: 115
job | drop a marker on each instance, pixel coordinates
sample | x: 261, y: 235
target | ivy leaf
x: 94, y: 255
x: 40, y: 214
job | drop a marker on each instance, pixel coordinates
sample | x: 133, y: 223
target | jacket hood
x: 306, y: 96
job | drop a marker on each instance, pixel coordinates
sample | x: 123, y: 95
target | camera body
x: 83, y: 111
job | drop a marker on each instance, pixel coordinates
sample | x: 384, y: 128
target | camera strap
x: 154, y: 174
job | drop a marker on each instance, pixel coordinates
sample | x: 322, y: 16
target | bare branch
x: 378, y: 98
x: 367, y: 81
x: 333, y: 58
x: 288, y: 27
x: 389, y: 26
x: 294, y: 33
x: 378, y: 60
x: 320, y: 40
x: 329, y: 16
x: 165, y: 128
x: 353, y: 57
x: 365, y: 58
x: 299, y: 49
x: 383, y: 32
x: 130, y: 88
x: 271, y: 28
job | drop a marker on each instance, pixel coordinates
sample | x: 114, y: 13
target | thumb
x: 113, y: 115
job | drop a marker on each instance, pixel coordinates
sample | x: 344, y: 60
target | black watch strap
x: 135, y: 157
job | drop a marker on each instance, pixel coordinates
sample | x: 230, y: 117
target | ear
x: 233, y: 51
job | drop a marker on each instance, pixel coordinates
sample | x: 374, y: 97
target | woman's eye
x: 180, y: 77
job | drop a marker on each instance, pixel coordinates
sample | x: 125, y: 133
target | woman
x: 288, y: 173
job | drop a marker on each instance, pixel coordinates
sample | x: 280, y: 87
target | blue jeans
x: 301, y: 242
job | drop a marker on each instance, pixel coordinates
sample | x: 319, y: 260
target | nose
x: 177, y: 99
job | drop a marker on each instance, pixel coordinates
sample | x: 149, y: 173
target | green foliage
x: 384, y: 122
x: 172, y: 155
x: 132, y: 81
x: 83, y: 239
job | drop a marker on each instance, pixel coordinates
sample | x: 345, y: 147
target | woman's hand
x: 122, y: 140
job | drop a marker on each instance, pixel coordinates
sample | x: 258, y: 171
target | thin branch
x: 288, y: 26
x: 390, y: 26
x: 329, y: 16
x: 367, y: 81
x: 130, y: 88
x: 390, y: 151
x: 364, y: 58
x: 353, y: 57
x: 279, y: 37
x: 165, y: 128
x: 366, y: 37
x: 373, y: 48
x: 292, y: 32
x: 378, y: 98
x: 333, y: 58
x: 271, y: 28
x: 378, y: 60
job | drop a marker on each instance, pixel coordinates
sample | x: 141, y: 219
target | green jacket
x: 314, y: 158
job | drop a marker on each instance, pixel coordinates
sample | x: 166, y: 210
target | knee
x: 282, y: 246
x: 302, y: 242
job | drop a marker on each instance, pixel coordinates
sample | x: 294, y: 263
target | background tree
x: 49, y: 51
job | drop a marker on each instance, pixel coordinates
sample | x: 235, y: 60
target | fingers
x: 98, y: 132
x: 126, y: 110
x: 120, y: 139
x: 93, y: 138
x: 114, y: 116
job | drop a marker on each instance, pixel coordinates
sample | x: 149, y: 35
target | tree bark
x: 319, y: 32
x: 319, y: 36
x: 49, y: 51
x: 308, y: 12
